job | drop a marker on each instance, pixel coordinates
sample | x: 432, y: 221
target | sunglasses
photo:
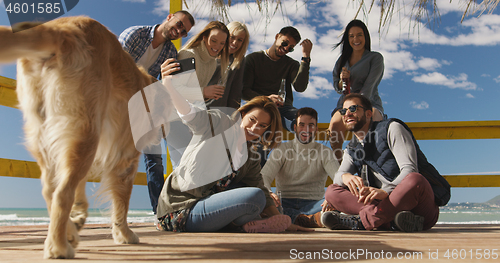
x: 352, y: 108
x: 180, y: 26
x: 285, y: 44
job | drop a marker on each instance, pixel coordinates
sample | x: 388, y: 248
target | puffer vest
x: 375, y: 153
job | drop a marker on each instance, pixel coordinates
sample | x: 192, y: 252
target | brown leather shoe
x: 310, y: 221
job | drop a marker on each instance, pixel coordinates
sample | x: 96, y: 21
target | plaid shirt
x: 135, y: 40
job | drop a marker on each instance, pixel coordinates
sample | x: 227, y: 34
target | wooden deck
x: 25, y: 244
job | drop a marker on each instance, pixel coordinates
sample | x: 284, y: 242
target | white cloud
x: 486, y: 75
x: 470, y: 96
x: 318, y: 87
x: 135, y: 1
x: 162, y: 7
x: 428, y: 63
x: 447, y: 6
x: 453, y: 82
x: 419, y: 106
x: 398, y: 61
x: 497, y: 79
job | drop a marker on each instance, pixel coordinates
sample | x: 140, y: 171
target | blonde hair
x: 271, y: 138
x: 198, y: 38
x: 234, y: 28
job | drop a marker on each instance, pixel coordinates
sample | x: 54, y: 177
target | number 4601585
x: 471, y: 254
x: 40, y: 8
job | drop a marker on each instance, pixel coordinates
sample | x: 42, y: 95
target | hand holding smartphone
x: 184, y: 65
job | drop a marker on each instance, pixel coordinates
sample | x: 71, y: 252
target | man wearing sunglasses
x: 150, y: 46
x: 401, y: 190
x: 265, y: 69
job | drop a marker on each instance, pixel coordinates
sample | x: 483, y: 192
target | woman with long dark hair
x: 360, y: 70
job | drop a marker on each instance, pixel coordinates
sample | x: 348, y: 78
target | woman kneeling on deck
x: 212, y: 206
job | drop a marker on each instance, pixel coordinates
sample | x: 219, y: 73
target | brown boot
x: 310, y: 221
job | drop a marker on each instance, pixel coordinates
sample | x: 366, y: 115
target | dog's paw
x: 51, y: 250
x: 72, y: 234
x: 78, y: 218
x: 123, y: 235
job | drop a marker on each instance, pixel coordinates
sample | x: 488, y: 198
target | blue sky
x: 449, y: 73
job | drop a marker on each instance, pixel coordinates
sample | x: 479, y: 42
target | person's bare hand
x: 325, y: 206
x: 369, y: 194
x: 213, y: 92
x: 168, y: 67
x: 354, y: 183
x: 345, y: 74
x: 306, y: 47
x: 276, y: 99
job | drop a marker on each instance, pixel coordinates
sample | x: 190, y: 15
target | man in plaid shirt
x: 150, y: 46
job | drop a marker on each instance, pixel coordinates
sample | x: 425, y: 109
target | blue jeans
x: 293, y: 207
x: 238, y: 206
x: 155, y: 179
x: 288, y: 115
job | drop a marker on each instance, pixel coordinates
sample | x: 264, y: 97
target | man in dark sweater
x: 264, y: 71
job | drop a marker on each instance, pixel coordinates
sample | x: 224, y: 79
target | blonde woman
x: 239, y: 39
x: 209, y: 44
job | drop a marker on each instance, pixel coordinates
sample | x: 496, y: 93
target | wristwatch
x: 306, y: 59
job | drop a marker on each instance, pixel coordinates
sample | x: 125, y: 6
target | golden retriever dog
x: 74, y: 81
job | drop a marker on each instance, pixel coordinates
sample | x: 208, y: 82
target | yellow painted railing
x: 421, y: 130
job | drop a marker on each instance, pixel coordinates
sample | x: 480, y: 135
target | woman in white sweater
x: 205, y: 47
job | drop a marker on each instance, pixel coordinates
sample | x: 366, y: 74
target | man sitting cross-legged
x: 402, y: 191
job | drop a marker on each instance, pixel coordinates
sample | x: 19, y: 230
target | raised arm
x: 180, y: 103
x: 300, y: 75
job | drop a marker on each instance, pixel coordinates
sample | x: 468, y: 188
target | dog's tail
x: 38, y: 41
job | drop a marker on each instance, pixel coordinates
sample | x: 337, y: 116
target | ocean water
x: 39, y: 216
x: 476, y: 215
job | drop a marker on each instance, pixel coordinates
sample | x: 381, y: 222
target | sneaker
x: 311, y: 221
x: 407, y: 221
x: 336, y: 221
x: 273, y: 224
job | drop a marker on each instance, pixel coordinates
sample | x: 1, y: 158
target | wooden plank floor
x: 25, y: 244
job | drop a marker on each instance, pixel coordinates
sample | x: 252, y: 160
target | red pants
x: 413, y: 194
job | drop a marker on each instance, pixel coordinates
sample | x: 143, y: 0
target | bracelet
x: 306, y: 59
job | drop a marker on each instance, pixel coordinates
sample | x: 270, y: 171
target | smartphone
x: 185, y: 65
